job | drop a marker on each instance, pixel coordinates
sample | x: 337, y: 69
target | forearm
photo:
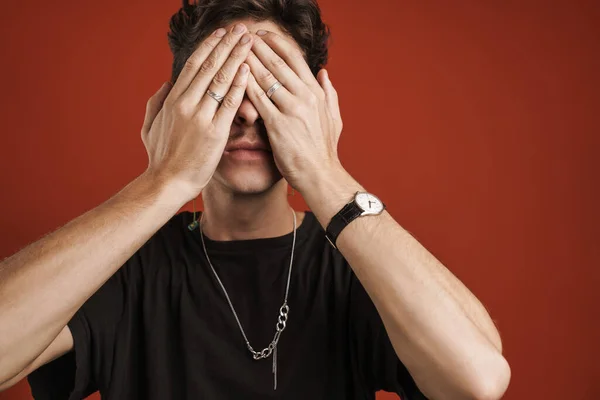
x: 43, y: 285
x: 438, y: 328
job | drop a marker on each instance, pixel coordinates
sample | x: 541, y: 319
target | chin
x: 247, y: 180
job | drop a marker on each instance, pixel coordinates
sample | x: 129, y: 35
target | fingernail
x: 244, y: 69
x: 245, y: 39
x: 220, y: 32
x: 239, y: 28
x: 261, y: 33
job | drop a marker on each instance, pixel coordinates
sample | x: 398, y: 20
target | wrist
x: 166, y: 190
x: 329, y: 192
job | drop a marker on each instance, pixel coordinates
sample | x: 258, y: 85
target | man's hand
x: 185, y: 130
x: 302, y: 118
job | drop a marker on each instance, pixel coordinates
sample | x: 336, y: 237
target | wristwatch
x: 362, y: 204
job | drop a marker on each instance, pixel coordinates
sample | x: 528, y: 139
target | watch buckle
x: 330, y: 242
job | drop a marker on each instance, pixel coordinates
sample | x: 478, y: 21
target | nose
x: 247, y: 114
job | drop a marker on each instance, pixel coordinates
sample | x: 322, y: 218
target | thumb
x: 331, y: 95
x: 154, y: 106
x: 332, y: 100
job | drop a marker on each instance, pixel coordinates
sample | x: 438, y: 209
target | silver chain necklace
x: 283, y: 311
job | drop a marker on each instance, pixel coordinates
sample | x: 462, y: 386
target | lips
x: 248, y: 149
x: 247, y: 146
x: 255, y: 154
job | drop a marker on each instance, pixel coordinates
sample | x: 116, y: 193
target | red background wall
x: 476, y: 122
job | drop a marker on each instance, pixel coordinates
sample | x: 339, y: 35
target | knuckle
x: 229, y: 40
x: 321, y: 97
x: 240, y: 52
x: 209, y: 64
x: 265, y: 75
x: 209, y: 43
x: 180, y: 109
x: 277, y: 62
x: 260, y: 94
x: 146, y: 141
x: 311, y: 99
x: 150, y: 103
x: 221, y: 77
x: 190, y: 64
x: 237, y: 85
x: 230, y: 102
x: 298, y: 109
x: 314, y: 100
x: 168, y: 104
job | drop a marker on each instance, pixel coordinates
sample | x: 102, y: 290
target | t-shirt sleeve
x: 372, y: 352
x: 93, y: 327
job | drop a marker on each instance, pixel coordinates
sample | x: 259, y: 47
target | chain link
x: 279, y: 327
x: 283, y: 310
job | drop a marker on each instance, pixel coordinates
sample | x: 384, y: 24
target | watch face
x: 369, y: 203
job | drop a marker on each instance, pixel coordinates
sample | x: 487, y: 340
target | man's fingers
x: 209, y: 69
x: 332, y: 101
x: 271, y: 42
x: 154, y: 106
x: 331, y: 96
x: 278, y: 64
x: 267, y: 110
x: 222, y: 81
x: 232, y: 101
x: 193, y: 63
x: 265, y: 79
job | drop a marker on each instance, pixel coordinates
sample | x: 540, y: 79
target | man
x: 253, y: 299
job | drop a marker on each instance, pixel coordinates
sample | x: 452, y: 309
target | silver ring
x: 273, y: 88
x: 215, y: 96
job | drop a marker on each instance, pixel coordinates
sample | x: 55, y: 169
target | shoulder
x: 158, y: 252
x: 170, y: 235
x: 164, y: 246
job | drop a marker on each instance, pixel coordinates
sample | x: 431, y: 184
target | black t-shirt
x: 161, y: 327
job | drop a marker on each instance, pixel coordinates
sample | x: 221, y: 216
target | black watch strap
x: 349, y: 213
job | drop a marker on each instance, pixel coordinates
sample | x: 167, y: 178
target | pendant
x: 275, y: 368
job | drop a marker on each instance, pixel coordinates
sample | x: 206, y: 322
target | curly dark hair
x: 301, y: 19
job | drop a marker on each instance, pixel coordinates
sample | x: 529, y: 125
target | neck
x: 229, y: 216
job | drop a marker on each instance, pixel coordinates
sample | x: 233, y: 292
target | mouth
x: 247, y: 154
